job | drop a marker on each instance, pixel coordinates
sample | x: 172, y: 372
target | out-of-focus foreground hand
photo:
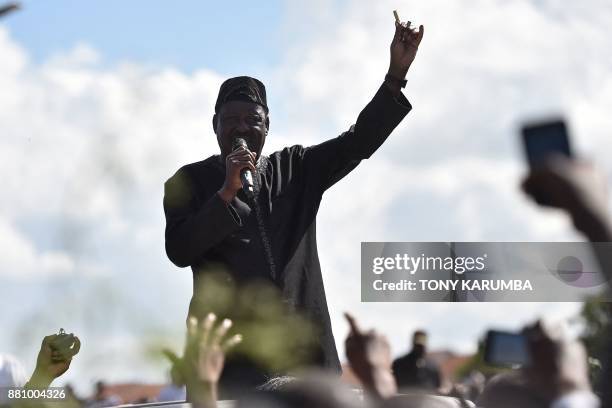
x: 204, y: 358
x: 54, y: 358
x: 558, y: 364
x: 369, y: 354
x: 576, y: 187
x: 209, y: 345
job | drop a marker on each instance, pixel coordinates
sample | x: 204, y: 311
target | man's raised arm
x: 328, y: 162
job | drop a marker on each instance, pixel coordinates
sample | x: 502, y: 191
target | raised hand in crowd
x: 369, y: 355
x: 204, y: 357
x: 54, y: 358
x: 576, y: 187
x: 558, y: 364
x: 557, y: 375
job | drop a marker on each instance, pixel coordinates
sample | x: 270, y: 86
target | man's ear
x: 267, y: 123
x: 215, y: 123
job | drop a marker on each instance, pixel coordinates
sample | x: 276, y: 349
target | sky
x: 104, y: 101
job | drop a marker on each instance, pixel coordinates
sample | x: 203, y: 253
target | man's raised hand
x: 404, y: 47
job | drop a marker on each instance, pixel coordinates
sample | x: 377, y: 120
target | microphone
x: 246, y: 176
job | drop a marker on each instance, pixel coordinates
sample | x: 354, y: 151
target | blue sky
x: 103, y: 101
x: 189, y: 34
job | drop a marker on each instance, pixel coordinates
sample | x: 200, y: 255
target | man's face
x: 237, y: 119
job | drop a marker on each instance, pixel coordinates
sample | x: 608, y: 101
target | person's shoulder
x: 402, y: 359
x: 185, y: 181
x: 212, y: 163
x: 199, y: 168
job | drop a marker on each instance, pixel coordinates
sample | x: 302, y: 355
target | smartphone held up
x: 545, y: 138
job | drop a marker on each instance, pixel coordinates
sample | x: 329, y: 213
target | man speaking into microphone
x: 266, y: 230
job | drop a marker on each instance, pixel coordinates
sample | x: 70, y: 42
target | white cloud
x: 21, y: 260
x: 86, y: 147
x: 89, y: 148
x: 85, y: 151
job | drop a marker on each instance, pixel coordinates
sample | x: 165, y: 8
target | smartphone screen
x: 506, y: 349
x: 545, y: 138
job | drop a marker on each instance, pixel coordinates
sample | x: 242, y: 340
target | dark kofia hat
x: 242, y: 88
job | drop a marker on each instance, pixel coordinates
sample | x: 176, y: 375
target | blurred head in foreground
x: 319, y: 390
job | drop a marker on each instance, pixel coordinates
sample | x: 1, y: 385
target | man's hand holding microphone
x: 238, y: 164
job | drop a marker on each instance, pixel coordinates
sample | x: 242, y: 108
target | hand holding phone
x: 544, y: 139
x: 506, y: 349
